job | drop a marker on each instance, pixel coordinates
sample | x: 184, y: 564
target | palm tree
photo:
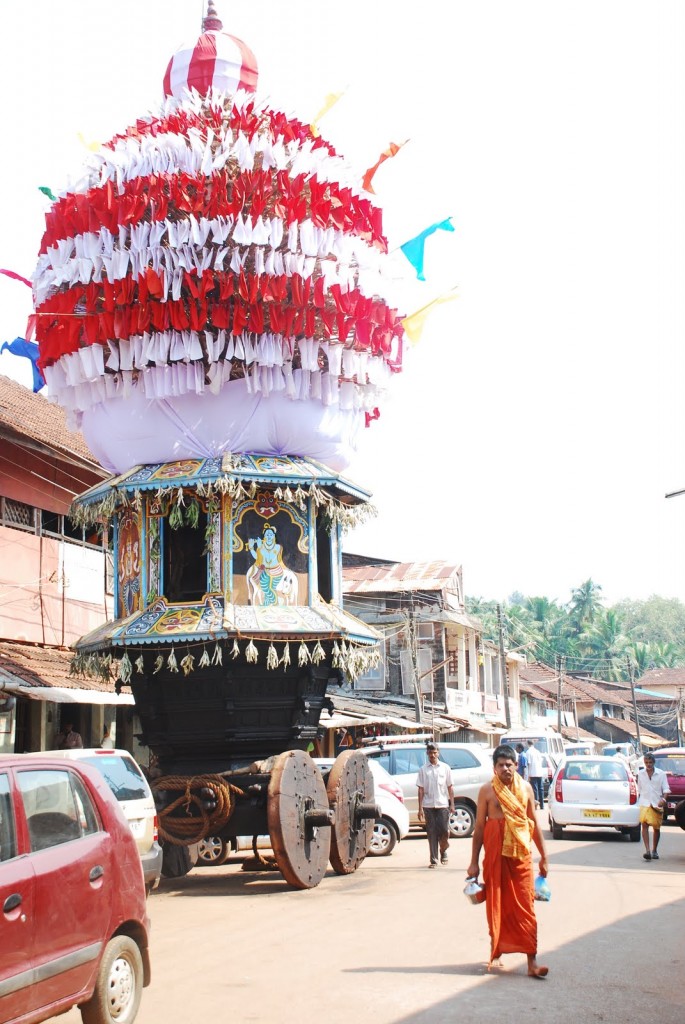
x: 585, y: 603
x: 606, y: 645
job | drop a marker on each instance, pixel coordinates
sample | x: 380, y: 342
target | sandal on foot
x: 646, y: 856
x: 655, y: 856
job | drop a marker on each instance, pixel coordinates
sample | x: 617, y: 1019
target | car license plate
x: 596, y: 814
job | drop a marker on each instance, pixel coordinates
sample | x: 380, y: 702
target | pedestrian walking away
x: 507, y: 827
x: 521, y: 765
x: 436, y: 800
x: 652, y: 789
x: 534, y: 771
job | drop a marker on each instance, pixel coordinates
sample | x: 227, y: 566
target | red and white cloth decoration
x: 215, y: 61
x: 217, y: 242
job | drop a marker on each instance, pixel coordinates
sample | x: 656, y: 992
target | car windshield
x: 595, y: 771
x: 122, y: 775
x: 672, y: 765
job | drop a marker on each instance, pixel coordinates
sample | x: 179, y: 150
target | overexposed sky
x: 540, y: 421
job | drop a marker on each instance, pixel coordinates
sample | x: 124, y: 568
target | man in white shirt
x: 436, y: 800
x: 652, y: 788
x: 535, y: 766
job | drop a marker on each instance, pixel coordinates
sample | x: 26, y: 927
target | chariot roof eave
x: 286, y: 470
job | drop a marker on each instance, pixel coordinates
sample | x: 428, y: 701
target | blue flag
x: 29, y: 349
x: 413, y: 249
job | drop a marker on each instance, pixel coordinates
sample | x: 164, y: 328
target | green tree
x: 585, y: 603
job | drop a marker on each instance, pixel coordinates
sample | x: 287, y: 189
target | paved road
x: 398, y: 944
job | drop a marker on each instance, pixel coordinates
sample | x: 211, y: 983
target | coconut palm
x: 585, y: 603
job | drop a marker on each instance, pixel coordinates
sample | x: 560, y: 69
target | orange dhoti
x: 510, y: 891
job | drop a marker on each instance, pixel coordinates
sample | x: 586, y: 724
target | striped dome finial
x: 216, y: 61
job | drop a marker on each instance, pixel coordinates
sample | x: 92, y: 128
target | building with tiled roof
x: 53, y: 577
x: 430, y: 637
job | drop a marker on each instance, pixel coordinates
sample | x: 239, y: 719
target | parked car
x: 123, y: 776
x: 74, y: 927
x: 389, y: 829
x: 572, y: 749
x: 625, y: 750
x: 594, y: 792
x: 672, y: 761
x: 548, y: 741
x: 471, y: 766
x: 393, y: 825
x: 549, y: 768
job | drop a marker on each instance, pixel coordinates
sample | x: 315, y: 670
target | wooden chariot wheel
x: 351, y: 795
x: 299, y: 819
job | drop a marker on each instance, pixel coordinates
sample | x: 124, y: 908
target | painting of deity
x: 128, y: 567
x: 270, y: 557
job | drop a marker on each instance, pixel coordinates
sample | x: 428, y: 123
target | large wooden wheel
x: 351, y: 795
x: 299, y: 819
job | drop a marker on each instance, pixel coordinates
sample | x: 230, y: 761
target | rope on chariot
x: 259, y: 862
x: 184, y: 831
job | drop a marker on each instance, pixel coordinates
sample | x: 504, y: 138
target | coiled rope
x: 198, y: 822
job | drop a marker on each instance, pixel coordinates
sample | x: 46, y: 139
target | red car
x: 672, y: 761
x: 73, y: 923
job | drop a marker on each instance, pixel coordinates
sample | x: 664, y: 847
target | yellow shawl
x: 518, y: 828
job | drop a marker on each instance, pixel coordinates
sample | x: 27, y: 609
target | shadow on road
x: 602, y: 976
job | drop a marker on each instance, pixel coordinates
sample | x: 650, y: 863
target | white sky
x: 540, y: 422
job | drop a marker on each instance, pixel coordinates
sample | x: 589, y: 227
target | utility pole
x: 679, y: 716
x: 411, y: 631
x: 557, y: 658
x: 504, y: 682
x: 632, y: 690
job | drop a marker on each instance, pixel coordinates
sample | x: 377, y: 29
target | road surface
x: 399, y: 944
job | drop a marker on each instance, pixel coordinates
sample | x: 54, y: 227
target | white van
x: 547, y: 741
x: 130, y: 787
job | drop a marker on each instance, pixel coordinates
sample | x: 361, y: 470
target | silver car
x: 471, y: 766
x: 594, y: 792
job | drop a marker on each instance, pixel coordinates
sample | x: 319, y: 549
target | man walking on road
x: 436, y: 800
x: 535, y: 766
x: 507, y: 826
x: 652, y: 787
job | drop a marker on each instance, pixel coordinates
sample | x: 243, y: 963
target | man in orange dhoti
x: 506, y: 825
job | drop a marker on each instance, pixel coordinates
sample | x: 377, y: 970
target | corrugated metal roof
x: 401, y: 576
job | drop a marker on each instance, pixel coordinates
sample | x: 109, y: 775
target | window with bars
x: 19, y: 516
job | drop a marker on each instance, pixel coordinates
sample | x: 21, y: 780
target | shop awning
x: 64, y: 695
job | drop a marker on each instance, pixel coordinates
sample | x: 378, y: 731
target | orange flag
x: 392, y: 150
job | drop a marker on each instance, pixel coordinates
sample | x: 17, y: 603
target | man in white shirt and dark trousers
x: 436, y: 800
x: 652, y: 788
x: 535, y: 766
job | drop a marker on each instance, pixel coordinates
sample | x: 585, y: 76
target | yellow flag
x: 330, y: 101
x: 415, y: 322
x: 92, y: 146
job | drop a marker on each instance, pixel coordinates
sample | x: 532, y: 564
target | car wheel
x: 634, y: 834
x: 462, y: 821
x: 557, y: 830
x: 213, y: 850
x: 383, y: 838
x: 119, y: 985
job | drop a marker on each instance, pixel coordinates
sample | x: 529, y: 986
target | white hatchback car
x: 130, y: 787
x: 594, y: 792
